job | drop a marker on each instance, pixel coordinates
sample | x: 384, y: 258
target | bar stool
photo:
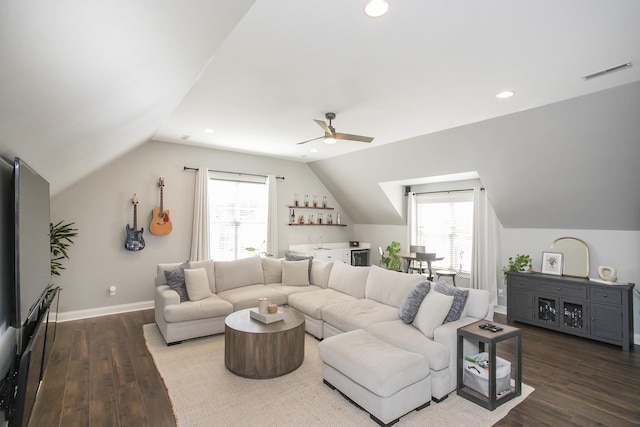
x: 451, y: 273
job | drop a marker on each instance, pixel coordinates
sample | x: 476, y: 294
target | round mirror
x: 576, y: 256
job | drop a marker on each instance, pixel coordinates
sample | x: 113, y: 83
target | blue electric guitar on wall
x: 134, y: 241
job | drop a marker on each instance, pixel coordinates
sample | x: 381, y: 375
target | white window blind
x: 443, y: 223
x: 238, y: 207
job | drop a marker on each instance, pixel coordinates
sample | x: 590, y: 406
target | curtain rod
x: 443, y: 191
x: 187, y: 168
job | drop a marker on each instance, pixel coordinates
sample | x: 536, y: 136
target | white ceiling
x: 83, y: 83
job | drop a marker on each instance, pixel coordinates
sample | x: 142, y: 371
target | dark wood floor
x: 101, y: 374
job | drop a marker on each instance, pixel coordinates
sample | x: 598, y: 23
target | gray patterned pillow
x: 175, y: 280
x: 411, y: 303
x: 459, y: 299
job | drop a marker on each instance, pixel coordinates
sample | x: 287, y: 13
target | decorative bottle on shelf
x: 296, y: 200
x: 292, y: 218
x: 338, y: 220
x: 306, y: 200
x: 320, y: 218
x: 301, y: 220
x: 315, y: 201
x: 330, y: 219
x: 324, y: 202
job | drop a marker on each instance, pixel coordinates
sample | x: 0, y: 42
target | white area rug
x: 204, y: 393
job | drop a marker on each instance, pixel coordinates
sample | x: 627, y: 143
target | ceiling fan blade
x: 309, y: 140
x: 324, y: 126
x: 350, y: 137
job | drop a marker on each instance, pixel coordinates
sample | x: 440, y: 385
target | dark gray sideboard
x: 574, y: 306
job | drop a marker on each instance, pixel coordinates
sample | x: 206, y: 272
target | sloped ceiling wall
x: 569, y: 165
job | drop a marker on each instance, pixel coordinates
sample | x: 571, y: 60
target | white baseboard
x: 67, y: 316
x: 500, y: 309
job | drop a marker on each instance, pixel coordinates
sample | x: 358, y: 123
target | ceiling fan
x: 331, y: 136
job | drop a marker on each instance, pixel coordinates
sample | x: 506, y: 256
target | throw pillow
x: 432, y: 312
x: 197, y: 283
x: 291, y: 257
x: 295, y: 273
x: 411, y: 303
x: 459, y: 299
x: 175, y: 280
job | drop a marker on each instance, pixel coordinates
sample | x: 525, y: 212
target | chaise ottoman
x: 386, y: 381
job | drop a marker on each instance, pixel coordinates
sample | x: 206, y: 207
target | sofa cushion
x: 197, y: 283
x: 409, y: 338
x: 348, y: 279
x: 272, y: 270
x: 312, y: 303
x: 478, y: 304
x: 411, y: 303
x: 238, y: 273
x: 432, y: 312
x: 359, y: 314
x: 459, y: 299
x: 295, y: 273
x: 389, y: 287
x: 291, y: 257
x: 385, y: 371
x: 247, y: 296
x: 212, y: 306
x: 208, y: 266
x: 175, y: 280
x: 320, y: 272
x: 290, y: 290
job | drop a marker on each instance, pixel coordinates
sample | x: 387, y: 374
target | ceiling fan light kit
x: 376, y: 8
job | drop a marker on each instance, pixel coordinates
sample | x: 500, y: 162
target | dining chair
x: 416, y: 265
x: 451, y: 273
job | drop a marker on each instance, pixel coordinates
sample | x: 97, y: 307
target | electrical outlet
x: 112, y: 290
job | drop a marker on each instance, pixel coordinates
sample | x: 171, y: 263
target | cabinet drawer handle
x: 558, y: 289
x: 604, y: 295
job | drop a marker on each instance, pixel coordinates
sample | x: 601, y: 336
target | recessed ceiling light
x: 208, y: 131
x: 314, y: 150
x: 505, y: 94
x: 375, y: 8
x: 329, y: 140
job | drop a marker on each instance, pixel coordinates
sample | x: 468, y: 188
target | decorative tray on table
x: 266, y: 318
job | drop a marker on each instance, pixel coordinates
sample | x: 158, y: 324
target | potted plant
x: 390, y: 259
x: 60, y: 238
x: 519, y: 263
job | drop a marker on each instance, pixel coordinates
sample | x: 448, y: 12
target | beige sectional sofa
x: 334, y: 298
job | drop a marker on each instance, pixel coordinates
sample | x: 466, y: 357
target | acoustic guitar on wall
x: 160, y: 221
x: 134, y: 241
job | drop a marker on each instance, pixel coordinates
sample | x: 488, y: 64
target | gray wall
x: 101, y: 207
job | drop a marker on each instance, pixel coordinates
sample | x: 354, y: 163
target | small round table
x: 253, y: 349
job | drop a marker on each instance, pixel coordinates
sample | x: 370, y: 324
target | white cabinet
x: 340, y: 255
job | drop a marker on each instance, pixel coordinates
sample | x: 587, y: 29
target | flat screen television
x: 32, y: 263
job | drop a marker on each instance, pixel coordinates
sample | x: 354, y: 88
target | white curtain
x: 200, y: 230
x: 411, y: 230
x: 486, y: 245
x: 272, y: 217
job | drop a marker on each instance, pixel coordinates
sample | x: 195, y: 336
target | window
x: 443, y: 223
x: 238, y: 214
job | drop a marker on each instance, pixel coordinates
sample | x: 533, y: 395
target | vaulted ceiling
x: 82, y: 83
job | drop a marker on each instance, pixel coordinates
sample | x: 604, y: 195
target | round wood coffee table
x: 253, y: 349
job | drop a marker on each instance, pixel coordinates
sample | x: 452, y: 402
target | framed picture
x: 552, y: 263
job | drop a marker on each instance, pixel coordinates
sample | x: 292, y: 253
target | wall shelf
x: 310, y: 207
x: 319, y: 225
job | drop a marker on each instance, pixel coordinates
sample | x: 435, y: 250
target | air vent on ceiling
x: 607, y: 71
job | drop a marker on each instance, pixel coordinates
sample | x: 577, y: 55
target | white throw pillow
x: 432, y: 312
x: 295, y: 273
x: 197, y: 283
